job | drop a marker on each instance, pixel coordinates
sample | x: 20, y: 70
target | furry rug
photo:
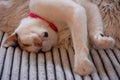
x: 12, y: 11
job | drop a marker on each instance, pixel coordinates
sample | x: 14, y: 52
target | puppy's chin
x: 33, y: 50
x: 38, y: 49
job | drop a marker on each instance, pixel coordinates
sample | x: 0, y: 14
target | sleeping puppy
x: 48, y: 17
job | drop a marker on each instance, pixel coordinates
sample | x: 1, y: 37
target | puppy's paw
x: 102, y: 42
x: 83, y: 67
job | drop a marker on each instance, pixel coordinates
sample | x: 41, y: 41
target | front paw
x: 83, y: 66
x: 102, y: 42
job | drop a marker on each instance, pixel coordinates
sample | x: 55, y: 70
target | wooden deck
x: 57, y: 64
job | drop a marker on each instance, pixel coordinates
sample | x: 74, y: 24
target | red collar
x: 50, y: 23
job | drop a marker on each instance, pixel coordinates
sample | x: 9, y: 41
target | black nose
x: 45, y: 34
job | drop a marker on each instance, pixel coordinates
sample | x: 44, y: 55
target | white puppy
x: 39, y: 30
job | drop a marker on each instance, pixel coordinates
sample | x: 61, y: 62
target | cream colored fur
x: 81, y: 17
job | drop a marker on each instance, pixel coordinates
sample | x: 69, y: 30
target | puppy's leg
x: 78, y: 28
x: 95, y: 27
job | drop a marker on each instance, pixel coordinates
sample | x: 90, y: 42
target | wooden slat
x: 99, y: 65
x: 32, y: 67
x: 7, y: 64
x: 24, y: 66
x: 95, y: 75
x: 109, y: 68
x: 77, y: 77
x: 114, y: 61
x: 65, y: 63
x: 16, y: 64
x: 41, y: 67
x: 49, y: 66
x: 2, y: 56
x: 58, y: 67
x: 117, y: 53
x: 2, y: 52
x: 87, y: 77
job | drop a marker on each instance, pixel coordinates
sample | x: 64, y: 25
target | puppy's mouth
x: 39, y: 44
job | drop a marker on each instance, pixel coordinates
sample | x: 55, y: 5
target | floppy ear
x: 10, y: 41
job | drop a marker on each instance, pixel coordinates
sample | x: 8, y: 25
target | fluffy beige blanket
x: 12, y: 11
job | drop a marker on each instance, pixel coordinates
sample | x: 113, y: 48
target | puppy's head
x: 32, y: 35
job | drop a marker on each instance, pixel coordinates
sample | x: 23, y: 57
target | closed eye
x: 27, y: 45
x: 20, y: 43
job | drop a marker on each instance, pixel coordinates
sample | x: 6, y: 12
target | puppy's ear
x: 11, y: 41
